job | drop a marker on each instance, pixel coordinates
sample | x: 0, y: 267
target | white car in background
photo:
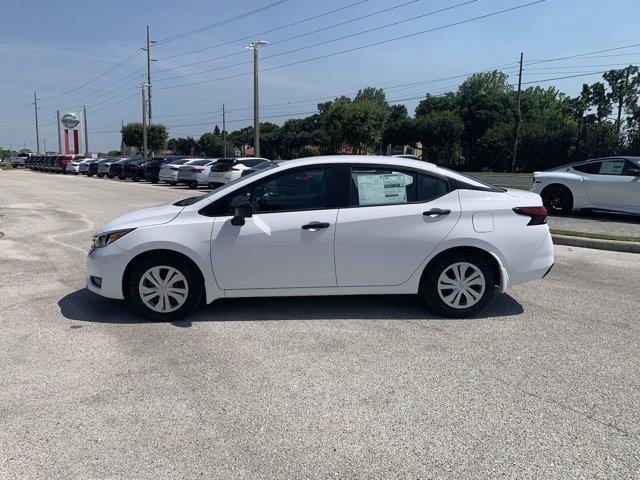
x: 103, y: 166
x: 195, y: 172
x: 611, y: 183
x: 229, y: 169
x: 338, y: 225
x: 74, y: 167
x: 169, y: 171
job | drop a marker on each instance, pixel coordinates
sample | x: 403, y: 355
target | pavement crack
x: 560, y: 404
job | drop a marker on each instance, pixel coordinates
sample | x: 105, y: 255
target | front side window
x: 593, y: 167
x: 299, y: 190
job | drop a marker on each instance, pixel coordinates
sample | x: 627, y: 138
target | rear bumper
x: 530, y: 257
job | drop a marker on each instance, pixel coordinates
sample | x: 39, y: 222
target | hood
x: 145, y: 217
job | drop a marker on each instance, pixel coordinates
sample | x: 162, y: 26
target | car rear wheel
x: 164, y: 289
x: 557, y: 199
x: 459, y: 285
x: 193, y: 185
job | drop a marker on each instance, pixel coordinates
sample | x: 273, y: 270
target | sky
x: 88, y: 52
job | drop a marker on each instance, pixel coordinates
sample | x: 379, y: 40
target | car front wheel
x: 459, y: 285
x: 164, y: 289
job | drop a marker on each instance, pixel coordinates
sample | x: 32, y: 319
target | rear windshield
x: 199, y: 162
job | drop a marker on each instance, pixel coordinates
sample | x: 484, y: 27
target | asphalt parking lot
x: 544, y: 385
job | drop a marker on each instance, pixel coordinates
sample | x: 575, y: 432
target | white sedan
x: 227, y: 170
x: 342, y: 225
x: 602, y: 184
x: 195, y: 172
x: 74, y: 167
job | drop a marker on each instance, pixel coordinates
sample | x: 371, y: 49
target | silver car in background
x: 169, y: 172
x: 195, y: 172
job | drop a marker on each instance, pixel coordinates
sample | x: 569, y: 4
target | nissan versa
x: 327, y: 226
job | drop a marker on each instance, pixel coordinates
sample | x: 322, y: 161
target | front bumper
x: 107, y: 264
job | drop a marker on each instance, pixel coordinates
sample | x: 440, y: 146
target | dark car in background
x: 83, y: 168
x: 152, y: 167
x: 134, y: 169
x: 116, y: 169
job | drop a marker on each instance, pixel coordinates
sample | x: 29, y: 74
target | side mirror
x: 243, y: 209
x: 634, y: 172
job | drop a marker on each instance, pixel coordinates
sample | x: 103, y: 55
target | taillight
x: 173, y: 168
x: 135, y: 168
x: 538, y: 214
x: 231, y: 168
x: 198, y: 169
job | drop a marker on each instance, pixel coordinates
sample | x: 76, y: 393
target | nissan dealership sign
x: 70, y: 120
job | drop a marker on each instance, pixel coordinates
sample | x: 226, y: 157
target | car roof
x: 385, y: 161
x: 592, y: 160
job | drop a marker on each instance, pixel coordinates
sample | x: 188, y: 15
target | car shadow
x: 84, y: 306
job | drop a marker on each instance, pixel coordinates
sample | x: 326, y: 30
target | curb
x: 611, y: 245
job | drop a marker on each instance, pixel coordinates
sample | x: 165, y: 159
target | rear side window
x: 382, y: 186
x: 593, y: 167
x: 612, y: 167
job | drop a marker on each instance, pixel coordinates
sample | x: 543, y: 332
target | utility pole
x: 121, y: 140
x: 256, y: 103
x: 59, y: 132
x: 35, y: 106
x: 45, y: 145
x: 149, y: 60
x: 144, y: 122
x: 518, y: 118
x: 86, y: 130
x: 224, y: 131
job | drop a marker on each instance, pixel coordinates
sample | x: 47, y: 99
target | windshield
x: 191, y: 200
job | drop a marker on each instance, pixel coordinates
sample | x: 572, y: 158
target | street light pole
x: 256, y: 102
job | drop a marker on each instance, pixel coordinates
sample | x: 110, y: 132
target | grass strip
x: 595, y: 236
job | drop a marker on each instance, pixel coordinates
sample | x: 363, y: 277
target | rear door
x: 613, y: 185
x: 396, y: 218
x: 289, y: 240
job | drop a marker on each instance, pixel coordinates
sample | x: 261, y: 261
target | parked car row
x: 52, y: 163
x: 174, y: 170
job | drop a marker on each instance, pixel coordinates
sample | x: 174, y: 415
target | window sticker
x: 612, y: 168
x: 376, y: 189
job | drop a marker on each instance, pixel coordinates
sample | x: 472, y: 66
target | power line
x: 361, y: 47
x: 255, y: 35
x: 307, y: 47
x: 221, y: 22
x: 579, y: 55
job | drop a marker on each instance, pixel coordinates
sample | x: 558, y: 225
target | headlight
x: 105, y: 239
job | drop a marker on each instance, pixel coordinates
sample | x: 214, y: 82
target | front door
x: 613, y: 186
x: 289, y: 240
x: 395, y: 220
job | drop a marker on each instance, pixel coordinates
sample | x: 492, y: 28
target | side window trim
x: 347, y: 172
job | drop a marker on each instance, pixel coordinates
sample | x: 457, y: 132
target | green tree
x: 209, y: 145
x: 440, y: 133
x: 270, y: 140
x: 624, y: 84
x: 181, y: 146
x: 156, y: 136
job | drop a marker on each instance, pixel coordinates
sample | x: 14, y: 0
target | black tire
x: 557, y: 199
x: 100, y: 175
x: 429, y: 285
x: 14, y: 166
x: 193, y: 186
x: 122, y: 177
x: 136, y: 179
x: 173, y: 184
x: 192, y: 276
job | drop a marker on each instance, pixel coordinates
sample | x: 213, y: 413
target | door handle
x: 436, y: 212
x: 315, y: 226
